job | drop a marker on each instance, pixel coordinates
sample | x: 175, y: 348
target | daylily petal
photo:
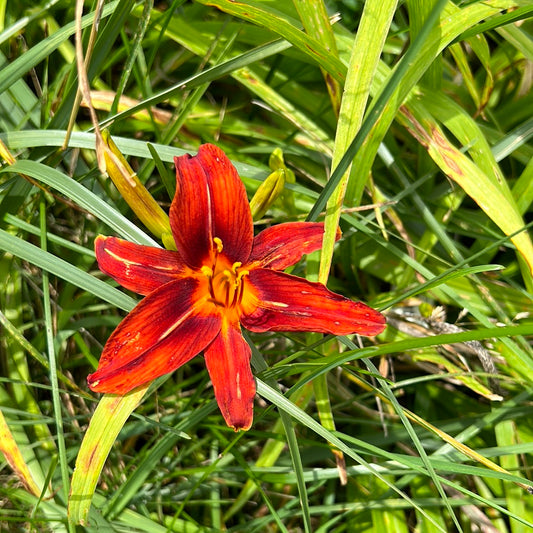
x: 228, y: 362
x: 283, y: 245
x: 165, y: 330
x: 191, y: 212
x: 232, y: 218
x: 136, y: 267
x: 210, y: 202
x: 288, y: 303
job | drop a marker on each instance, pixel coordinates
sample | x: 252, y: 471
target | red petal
x: 166, y: 329
x: 191, y: 212
x: 138, y: 268
x: 210, y: 202
x: 228, y: 363
x: 283, y: 245
x: 288, y: 303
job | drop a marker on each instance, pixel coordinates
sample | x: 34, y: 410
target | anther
x: 218, y: 244
x: 241, y: 274
x: 207, y: 271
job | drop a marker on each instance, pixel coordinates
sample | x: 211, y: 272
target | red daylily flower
x: 220, y: 278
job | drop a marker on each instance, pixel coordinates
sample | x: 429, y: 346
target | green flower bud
x: 267, y: 193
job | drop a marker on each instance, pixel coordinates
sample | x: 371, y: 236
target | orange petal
x: 164, y: 331
x: 228, y: 362
x: 210, y: 202
x: 288, y: 303
x: 283, y: 245
x: 138, y: 268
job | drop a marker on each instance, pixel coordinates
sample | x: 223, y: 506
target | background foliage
x: 411, y: 122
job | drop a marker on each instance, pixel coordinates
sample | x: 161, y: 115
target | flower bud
x: 132, y: 190
x: 267, y: 193
x: 273, y: 187
x: 276, y: 162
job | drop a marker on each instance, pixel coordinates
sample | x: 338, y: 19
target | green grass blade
x: 316, y: 23
x: 453, y: 21
x: 83, y: 197
x: 287, y: 28
x: 18, y: 68
x: 375, y: 112
x: 52, y: 361
x: 283, y: 404
x: 17, y: 140
x: 63, y: 269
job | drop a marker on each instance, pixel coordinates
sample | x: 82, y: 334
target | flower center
x: 226, y: 285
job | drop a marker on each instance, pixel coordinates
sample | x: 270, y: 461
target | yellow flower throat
x: 226, y: 285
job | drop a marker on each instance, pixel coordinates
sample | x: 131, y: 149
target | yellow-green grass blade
x: 453, y: 21
x: 467, y: 132
x: 316, y: 23
x: 506, y: 434
x: 106, y: 423
x: 11, y: 450
x: 386, y: 101
x: 419, y: 10
x: 523, y: 189
x: 264, y: 15
x: 493, y: 198
x: 367, y: 48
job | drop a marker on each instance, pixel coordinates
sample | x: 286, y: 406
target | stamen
x: 227, y: 291
x: 239, y: 289
x: 241, y: 274
x: 207, y: 271
x: 218, y: 244
x: 226, y: 285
